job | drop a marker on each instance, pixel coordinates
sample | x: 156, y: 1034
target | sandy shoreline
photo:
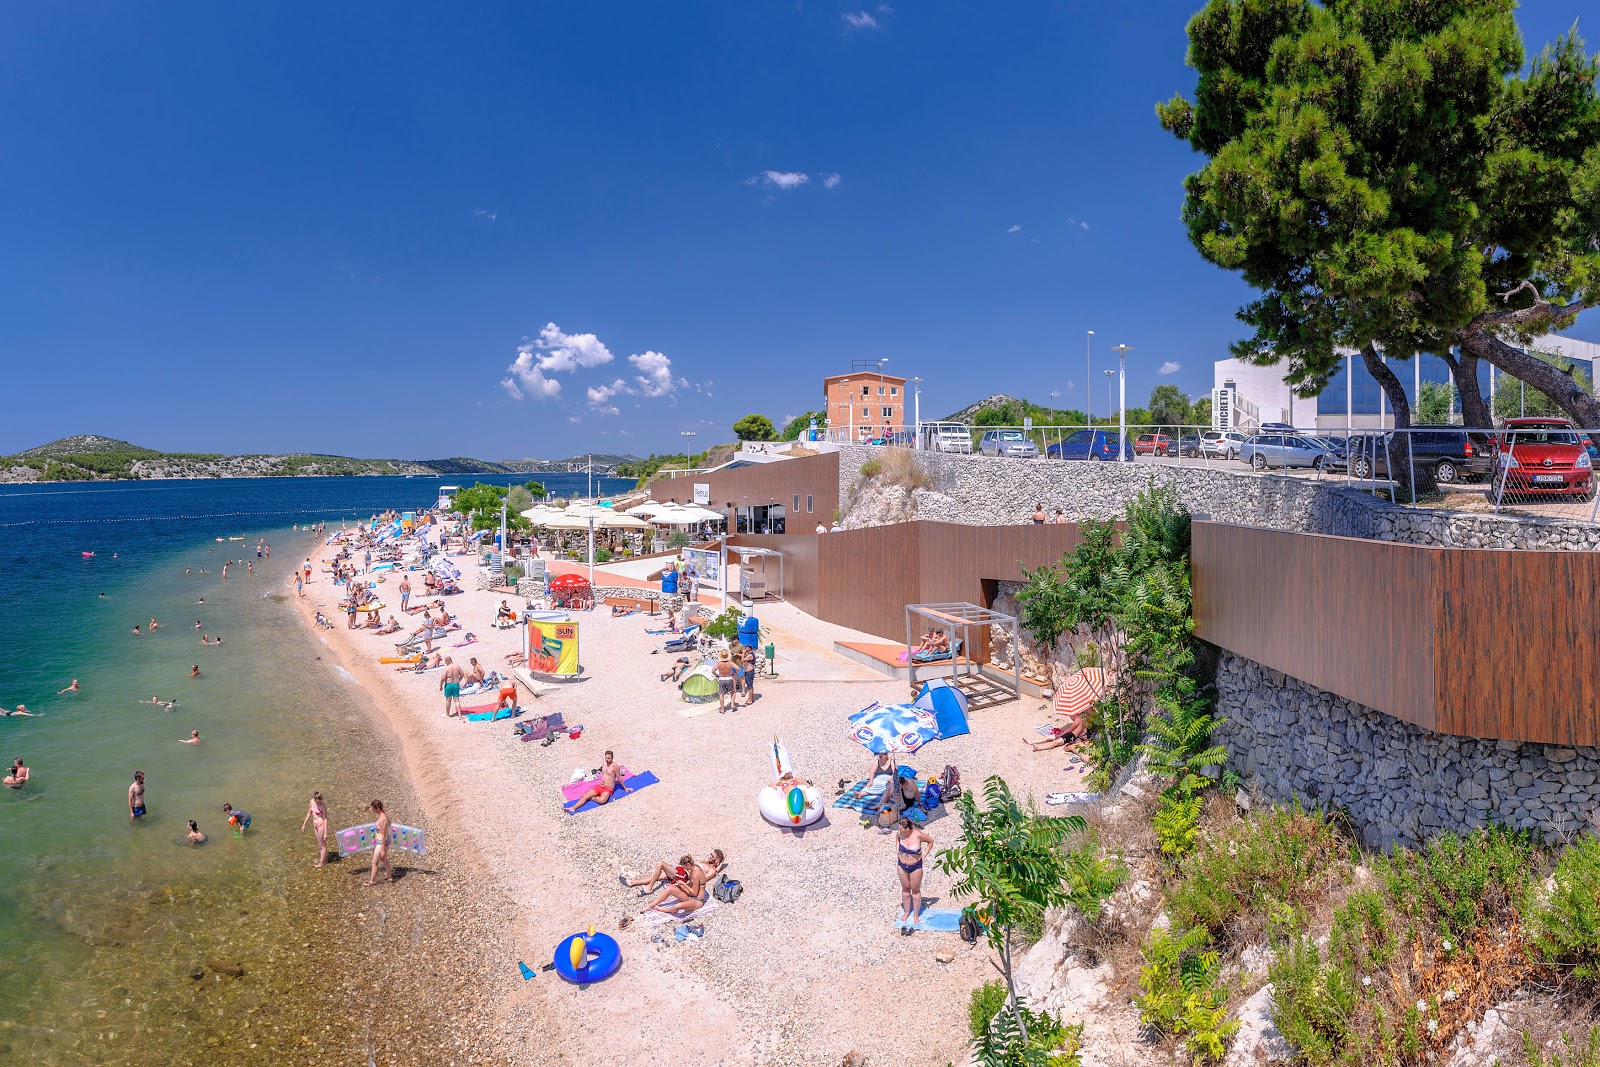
x: 805, y: 968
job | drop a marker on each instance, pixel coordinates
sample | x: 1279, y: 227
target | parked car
x: 1367, y: 455
x: 1276, y: 427
x: 1537, y: 457
x: 1010, y: 443
x: 1283, y: 450
x: 1338, y: 458
x: 947, y: 437
x: 1153, y: 444
x: 1189, y: 444
x: 1221, y: 444
x: 1091, y: 444
x: 1452, y: 451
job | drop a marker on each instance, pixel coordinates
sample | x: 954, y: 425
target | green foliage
x: 1176, y: 821
x: 1390, y: 173
x: 1180, y: 992
x: 536, y: 490
x: 798, y: 425
x: 602, y: 554
x: 1092, y: 875
x: 645, y: 469
x: 1011, y: 863
x: 984, y: 1004
x: 755, y: 428
x: 480, y: 504
x: 1565, y: 924
x: 724, y: 626
x: 998, y: 1041
x: 871, y: 468
x: 1584, y: 1054
x: 1169, y: 407
x: 510, y: 573
x: 1281, y: 856
x: 1461, y: 885
x: 1512, y: 398
x: 677, y: 539
x: 1435, y: 403
x: 1200, y: 413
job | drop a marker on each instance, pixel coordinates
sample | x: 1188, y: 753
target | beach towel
x: 632, y: 784
x: 494, y: 715
x: 1071, y: 798
x: 859, y: 797
x: 661, y: 918
x: 938, y: 920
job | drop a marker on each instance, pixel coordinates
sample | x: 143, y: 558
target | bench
x: 635, y: 603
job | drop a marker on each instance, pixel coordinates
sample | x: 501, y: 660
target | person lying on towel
x: 602, y: 790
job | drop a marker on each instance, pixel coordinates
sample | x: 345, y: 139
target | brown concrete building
x: 867, y: 403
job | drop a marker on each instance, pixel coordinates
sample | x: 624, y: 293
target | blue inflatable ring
x: 605, y: 956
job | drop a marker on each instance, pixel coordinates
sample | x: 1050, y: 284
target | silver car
x: 1011, y: 443
x: 1221, y: 444
x: 1284, y: 450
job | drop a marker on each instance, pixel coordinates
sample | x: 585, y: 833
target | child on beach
x: 239, y: 819
x: 194, y: 835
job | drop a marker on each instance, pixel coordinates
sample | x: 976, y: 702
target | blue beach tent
x: 948, y: 704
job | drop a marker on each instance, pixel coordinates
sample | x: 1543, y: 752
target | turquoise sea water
x: 100, y: 919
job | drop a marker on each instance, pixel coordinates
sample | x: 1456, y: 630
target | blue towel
x: 632, y: 785
x: 939, y: 920
x: 858, y: 799
x: 494, y: 716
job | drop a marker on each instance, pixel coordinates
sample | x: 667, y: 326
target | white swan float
x: 782, y: 808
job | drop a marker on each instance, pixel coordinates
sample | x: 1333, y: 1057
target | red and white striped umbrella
x: 1083, y: 687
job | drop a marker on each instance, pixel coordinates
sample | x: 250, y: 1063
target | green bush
x: 1565, y: 926
x: 1585, y: 1055
x: 511, y: 573
x: 602, y: 554
x: 984, y: 1005
x: 1180, y: 994
x: 1461, y: 884
x: 724, y: 626
x: 1092, y: 875
x: 1281, y: 856
x: 998, y: 1040
x: 1328, y: 1009
x: 871, y: 469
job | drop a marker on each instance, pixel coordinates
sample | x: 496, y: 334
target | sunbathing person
x: 928, y: 640
x: 427, y: 663
x: 391, y: 627
x: 474, y: 672
x: 676, y: 673
x: 664, y: 872
x: 504, y: 613
x: 601, y: 791
x: 681, y: 898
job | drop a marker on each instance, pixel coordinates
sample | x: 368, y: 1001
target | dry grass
x: 898, y: 466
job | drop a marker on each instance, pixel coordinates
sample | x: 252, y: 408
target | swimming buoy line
x: 179, y: 518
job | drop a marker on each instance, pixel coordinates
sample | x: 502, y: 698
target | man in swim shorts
x: 450, y: 682
x: 136, y: 797
x: 610, y: 781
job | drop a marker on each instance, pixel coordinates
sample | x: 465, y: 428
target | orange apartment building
x: 869, y: 401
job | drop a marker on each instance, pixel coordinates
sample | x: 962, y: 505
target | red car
x: 1541, y: 457
x: 1153, y: 444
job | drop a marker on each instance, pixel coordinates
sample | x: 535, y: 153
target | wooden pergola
x: 966, y: 675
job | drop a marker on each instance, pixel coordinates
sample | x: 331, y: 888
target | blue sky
x: 330, y: 227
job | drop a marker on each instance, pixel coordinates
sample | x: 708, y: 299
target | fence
x: 1532, y: 471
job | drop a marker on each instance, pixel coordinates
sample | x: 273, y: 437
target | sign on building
x: 702, y: 492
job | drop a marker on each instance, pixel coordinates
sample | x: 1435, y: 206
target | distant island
x: 91, y: 458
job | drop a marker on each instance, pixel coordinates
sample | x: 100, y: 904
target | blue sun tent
x: 948, y: 704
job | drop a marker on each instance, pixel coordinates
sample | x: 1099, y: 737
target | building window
x: 797, y: 501
x: 888, y: 413
x: 866, y: 390
x: 880, y: 390
x: 808, y: 504
x: 866, y: 413
x: 894, y: 390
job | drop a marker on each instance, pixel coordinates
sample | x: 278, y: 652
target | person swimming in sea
x: 194, y: 671
x: 153, y: 624
x: 192, y: 739
x: 194, y: 835
x: 18, y: 777
x: 168, y: 704
x: 73, y: 688
x: 22, y: 710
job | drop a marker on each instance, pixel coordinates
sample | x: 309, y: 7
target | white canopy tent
x: 584, y: 517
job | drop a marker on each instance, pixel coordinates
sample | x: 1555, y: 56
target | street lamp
x: 916, y: 403
x: 688, y: 445
x: 1109, y: 373
x: 1088, y: 372
x: 1122, y: 397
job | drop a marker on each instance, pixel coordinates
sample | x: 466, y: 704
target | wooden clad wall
x: 768, y: 483
x: 864, y: 578
x: 1474, y: 642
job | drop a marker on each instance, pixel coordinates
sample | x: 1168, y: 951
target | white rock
x: 1257, y: 1039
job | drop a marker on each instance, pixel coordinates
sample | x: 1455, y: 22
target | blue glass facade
x: 1365, y: 393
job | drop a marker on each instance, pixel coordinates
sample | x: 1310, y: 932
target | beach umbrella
x: 673, y: 515
x: 893, y: 727
x: 591, y: 518
x: 446, y: 570
x: 1080, y: 692
x: 697, y: 513
x: 645, y: 510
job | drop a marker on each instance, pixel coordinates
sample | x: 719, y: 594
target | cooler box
x: 750, y: 631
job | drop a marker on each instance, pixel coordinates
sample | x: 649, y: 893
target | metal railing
x: 1528, y: 471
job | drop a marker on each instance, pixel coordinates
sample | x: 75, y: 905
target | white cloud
x: 599, y: 394
x: 609, y: 409
x: 780, y: 179
x: 831, y: 180
x: 1014, y: 229
x: 1169, y: 367
x: 655, y: 374
x: 485, y: 215
x: 1079, y: 223
x: 553, y: 352
x: 859, y: 20
x: 1083, y: 225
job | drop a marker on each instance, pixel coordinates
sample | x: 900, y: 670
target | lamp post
x: 1109, y: 373
x: 1088, y: 374
x: 688, y: 443
x: 1122, y: 399
x: 916, y: 406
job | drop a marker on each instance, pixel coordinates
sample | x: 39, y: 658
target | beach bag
x: 949, y: 782
x: 968, y: 926
x: 727, y: 890
x: 930, y: 796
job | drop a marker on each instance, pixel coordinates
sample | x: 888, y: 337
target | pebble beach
x: 805, y: 968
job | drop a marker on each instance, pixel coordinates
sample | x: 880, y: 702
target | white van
x: 947, y: 437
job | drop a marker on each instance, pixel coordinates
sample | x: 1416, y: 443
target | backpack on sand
x: 727, y: 890
x: 949, y: 783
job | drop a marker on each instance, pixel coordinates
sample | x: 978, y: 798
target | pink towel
x: 573, y: 790
x: 479, y: 707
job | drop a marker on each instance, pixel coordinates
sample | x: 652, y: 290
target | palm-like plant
x: 1011, y: 860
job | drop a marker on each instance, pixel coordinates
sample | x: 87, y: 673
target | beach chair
x: 688, y: 641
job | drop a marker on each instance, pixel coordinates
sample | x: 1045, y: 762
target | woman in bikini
x: 682, y: 898
x: 911, y: 848
x: 663, y: 872
x: 317, y: 816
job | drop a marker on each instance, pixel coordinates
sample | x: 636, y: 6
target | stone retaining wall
x: 1400, y: 783
x: 985, y: 491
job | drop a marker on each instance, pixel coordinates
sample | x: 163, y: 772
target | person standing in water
x: 136, y: 797
x: 317, y: 816
x: 192, y: 739
x: 19, y: 774
x: 380, y: 849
